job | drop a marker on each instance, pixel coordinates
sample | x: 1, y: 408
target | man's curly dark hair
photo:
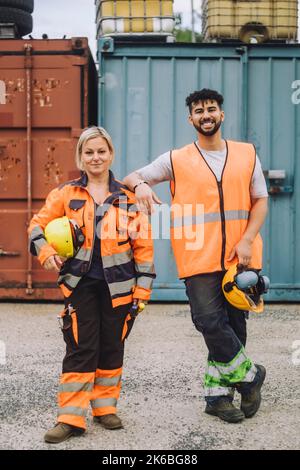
x: 203, y: 95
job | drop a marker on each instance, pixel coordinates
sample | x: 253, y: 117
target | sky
x: 77, y: 18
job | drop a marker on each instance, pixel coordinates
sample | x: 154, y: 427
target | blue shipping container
x: 142, y: 104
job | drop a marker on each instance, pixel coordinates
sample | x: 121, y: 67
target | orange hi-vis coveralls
x: 96, y: 319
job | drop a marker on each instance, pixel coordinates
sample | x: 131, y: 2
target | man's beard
x: 211, y: 132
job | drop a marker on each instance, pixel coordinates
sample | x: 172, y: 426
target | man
x: 222, y: 186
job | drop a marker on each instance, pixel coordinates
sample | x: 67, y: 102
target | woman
x: 111, y: 271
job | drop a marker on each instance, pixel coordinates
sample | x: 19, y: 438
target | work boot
x: 61, y: 432
x: 224, y: 409
x: 250, y: 392
x: 111, y: 421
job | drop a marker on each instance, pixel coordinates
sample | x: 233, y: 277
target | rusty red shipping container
x: 48, y: 94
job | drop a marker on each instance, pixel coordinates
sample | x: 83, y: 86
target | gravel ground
x: 161, y: 400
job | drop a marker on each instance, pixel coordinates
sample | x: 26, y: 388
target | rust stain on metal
x: 9, y: 165
x: 52, y: 172
x: 12, y: 87
x: 42, y: 91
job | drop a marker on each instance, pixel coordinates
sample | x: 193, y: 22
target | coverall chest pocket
x: 76, y: 210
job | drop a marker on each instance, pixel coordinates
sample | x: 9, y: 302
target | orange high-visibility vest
x: 208, y: 218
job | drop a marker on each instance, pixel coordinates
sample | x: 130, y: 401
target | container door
x: 58, y: 112
x: 142, y: 104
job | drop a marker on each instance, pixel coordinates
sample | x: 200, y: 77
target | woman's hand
x: 54, y: 262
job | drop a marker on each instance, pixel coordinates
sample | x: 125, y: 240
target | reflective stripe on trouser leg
x: 106, y: 391
x: 74, y: 394
x: 214, y: 386
x: 220, y: 377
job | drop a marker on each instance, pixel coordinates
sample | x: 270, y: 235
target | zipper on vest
x: 221, y: 196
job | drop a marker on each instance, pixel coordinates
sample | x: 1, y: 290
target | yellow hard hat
x: 249, y: 297
x: 64, y: 235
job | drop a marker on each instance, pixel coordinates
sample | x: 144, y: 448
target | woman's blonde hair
x: 88, y: 134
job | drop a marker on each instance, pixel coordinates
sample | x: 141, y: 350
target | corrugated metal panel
x: 142, y: 104
x: 46, y: 100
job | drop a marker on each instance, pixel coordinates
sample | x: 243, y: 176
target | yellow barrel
x: 134, y: 16
x: 242, y: 19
